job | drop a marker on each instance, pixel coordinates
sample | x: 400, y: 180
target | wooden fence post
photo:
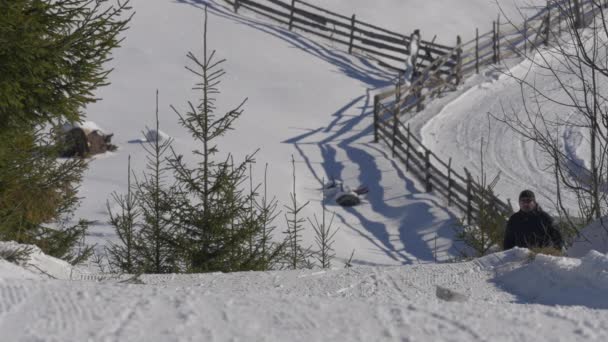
x: 458, y: 60
x: 417, y: 90
x: 498, y: 38
x: 293, y: 8
x: 427, y: 170
x: 236, y: 6
x: 494, y: 58
x: 450, y: 182
x: 548, y: 22
x: 469, y: 196
x: 407, y: 151
x: 352, y: 34
x: 396, y: 115
x: 376, y: 117
x: 477, y: 50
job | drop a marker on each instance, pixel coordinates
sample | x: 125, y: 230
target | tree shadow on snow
x: 368, y: 73
x: 350, y: 133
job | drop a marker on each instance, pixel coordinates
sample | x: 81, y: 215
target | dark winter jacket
x: 533, y: 229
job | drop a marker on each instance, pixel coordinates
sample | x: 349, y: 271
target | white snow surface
x: 592, y: 237
x: 505, y: 296
x: 306, y: 99
x: 444, y: 19
x: 312, y: 101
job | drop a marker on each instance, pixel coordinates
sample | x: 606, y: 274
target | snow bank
x: 560, y: 281
x: 86, y: 125
x: 37, y: 264
x: 9, y: 270
x: 592, y: 237
x: 500, y: 259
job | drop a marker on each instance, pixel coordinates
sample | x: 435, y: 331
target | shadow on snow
x: 345, y: 135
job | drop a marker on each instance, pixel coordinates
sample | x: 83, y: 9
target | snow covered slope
x: 445, y: 19
x: 462, y: 124
x: 306, y: 99
x: 491, y: 299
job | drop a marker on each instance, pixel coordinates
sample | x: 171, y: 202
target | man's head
x: 527, y: 202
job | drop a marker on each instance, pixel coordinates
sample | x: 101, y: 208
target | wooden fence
x: 389, y: 48
x: 460, y: 191
x: 393, y: 106
x: 439, y: 66
x: 503, y: 41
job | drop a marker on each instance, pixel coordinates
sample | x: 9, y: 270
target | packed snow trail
x: 496, y: 300
x: 461, y: 126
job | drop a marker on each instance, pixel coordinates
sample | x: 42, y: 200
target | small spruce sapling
x: 324, y: 238
x: 157, y: 246
x: 297, y: 256
x: 213, y: 210
x: 123, y: 255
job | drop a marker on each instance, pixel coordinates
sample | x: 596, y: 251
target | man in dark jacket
x: 531, y: 227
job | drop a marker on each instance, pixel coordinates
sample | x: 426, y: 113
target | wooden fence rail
x: 440, y: 67
x: 461, y: 191
x: 388, y: 47
x: 504, y: 41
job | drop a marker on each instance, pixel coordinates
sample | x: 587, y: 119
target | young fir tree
x: 486, y: 231
x: 156, y: 247
x: 213, y: 209
x: 324, y: 238
x: 124, y: 256
x: 52, y: 54
x: 296, y: 256
x: 267, y: 209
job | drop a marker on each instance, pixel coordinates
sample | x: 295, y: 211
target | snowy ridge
x: 357, y: 304
x: 39, y: 264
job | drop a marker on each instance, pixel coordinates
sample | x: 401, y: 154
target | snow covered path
x: 358, y: 304
x: 461, y: 125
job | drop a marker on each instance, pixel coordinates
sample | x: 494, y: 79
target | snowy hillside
x: 306, y: 99
x: 313, y: 101
x: 502, y: 297
x: 444, y: 19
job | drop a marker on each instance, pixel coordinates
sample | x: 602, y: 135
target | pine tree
x: 486, y: 232
x: 213, y: 209
x: 157, y: 234
x: 124, y: 256
x: 296, y: 255
x: 267, y: 209
x: 52, y: 54
x: 324, y: 238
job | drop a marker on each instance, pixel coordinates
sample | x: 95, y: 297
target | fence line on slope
x: 441, y: 67
x: 489, y: 48
x: 389, y: 48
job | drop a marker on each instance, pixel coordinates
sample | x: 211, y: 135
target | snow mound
x: 560, y: 281
x: 37, y: 264
x: 592, y: 237
x: 86, y: 125
x: 8, y: 270
x: 501, y: 259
